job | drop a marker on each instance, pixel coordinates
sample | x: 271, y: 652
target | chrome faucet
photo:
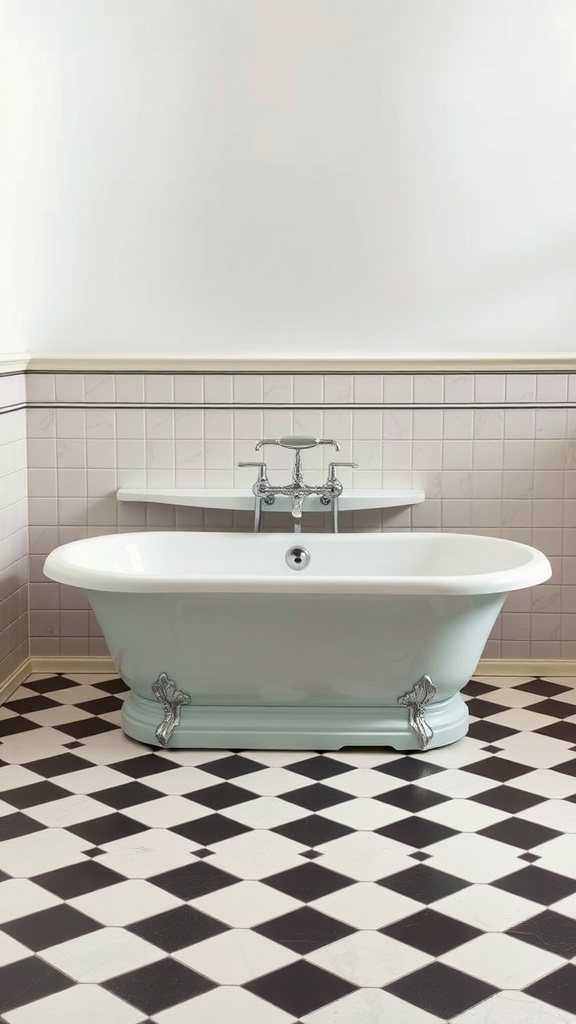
x: 265, y: 492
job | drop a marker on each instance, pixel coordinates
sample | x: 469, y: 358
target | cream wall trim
x: 177, y: 363
x: 487, y: 667
x: 13, y: 363
x: 9, y: 685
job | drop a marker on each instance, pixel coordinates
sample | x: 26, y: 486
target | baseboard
x: 505, y: 668
x: 526, y: 667
x: 13, y: 681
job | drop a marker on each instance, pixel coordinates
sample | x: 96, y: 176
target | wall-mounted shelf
x: 243, y: 500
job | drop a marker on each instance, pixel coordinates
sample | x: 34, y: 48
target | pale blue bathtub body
x: 319, y: 659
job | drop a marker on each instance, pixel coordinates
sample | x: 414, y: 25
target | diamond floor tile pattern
x: 278, y: 887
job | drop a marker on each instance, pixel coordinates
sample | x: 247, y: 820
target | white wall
x: 262, y: 176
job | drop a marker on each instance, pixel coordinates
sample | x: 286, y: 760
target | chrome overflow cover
x: 297, y: 557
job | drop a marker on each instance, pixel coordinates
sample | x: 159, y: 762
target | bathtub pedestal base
x: 267, y: 727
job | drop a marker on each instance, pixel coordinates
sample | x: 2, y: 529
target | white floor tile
x: 235, y: 957
x: 535, y: 750
x: 464, y: 815
x: 365, y: 757
x: 370, y: 1006
x: 192, y: 758
x: 272, y: 782
x: 165, y: 812
x: 365, y: 856
x: 266, y: 812
x: 21, y: 897
x: 76, y: 695
x: 70, y: 810
x: 547, y: 783
x: 180, y: 780
x: 277, y: 758
x: 364, y: 814
x: 511, y: 697
x: 558, y: 855
x: 246, y: 904
x: 369, y: 959
x: 90, y: 780
x: 491, y: 910
x: 522, y: 719
x: 43, y: 851
x: 12, y: 776
x: 360, y: 782
x: 256, y: 855
x: 514, y: 1008
x: 101, y: 955
x: 366, y: 905
x: 227, y: 1005
x: 473, y: 857
x: 60, y: 715
x: 20, y: 748
x: 124, y: 903
x: 456, y: 783
x: 135, y: 857
x: 456, y: 755
x: 87, y: 1003
x: 109, y: 747
x: 503, y: 961
x: 11, y: 950
x: 558, y: 814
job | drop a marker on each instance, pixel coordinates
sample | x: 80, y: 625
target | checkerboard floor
x: 275, y: 887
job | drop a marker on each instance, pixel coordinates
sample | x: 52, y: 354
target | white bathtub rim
x: 64, y: 565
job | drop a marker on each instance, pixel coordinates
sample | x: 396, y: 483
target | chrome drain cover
x: 297, y: 557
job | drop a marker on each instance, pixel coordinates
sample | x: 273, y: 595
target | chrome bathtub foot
x: 172, y: 699
x: 416, y: 700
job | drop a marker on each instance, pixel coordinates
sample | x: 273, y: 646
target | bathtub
x: 296, y: 641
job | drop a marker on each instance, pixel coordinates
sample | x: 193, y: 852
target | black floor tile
x: 102, y: 705
x: 175, y: 929
x: 507, y: 798
x: 423, y: 883
x: 412, y: 798
x: 77, y: 879
x: 479, y: 708
x: 518, y: 832
x: 130, y: 794
x: 316, y: 797
x: 313, y: 830
x: 214, y: 828
x: 226, y: 794
x: 14, y: 825
x: 159, y: 985
x: 498, y: 768
x: 107, y: 828
x: 86, y: 727
x: 559, y: 731
x: 409, y: 768
x: 557, y: 989
x: 415, y: 831
x: 147, y: 764
x: 304, y: 930
x: 567, y: 767
x: 13, y: 726
x: 111, y: 686
x: 60, y: 764
x: 474, y: 688
x: 431, y: 932
x: 232, y: 767
x: 553, y: 932
x: 441, y: 990
x: 28, y: 980
x: 537, y: 884
x: 319, y: 768
x: 193, y: 880
x: 300, y: 988
x: 489, y: 731
x: 50, y: 684
x: 27, y: 705
x: 542, y: 687
x: 50, y: 927
x: 34, y: 794
x: 308, y: 882
x: 554, y: 708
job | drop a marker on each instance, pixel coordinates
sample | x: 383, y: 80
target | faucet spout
x: 297, y: 503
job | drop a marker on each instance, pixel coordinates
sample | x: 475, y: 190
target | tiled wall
x: 495, y: 453
x: 13, y: 526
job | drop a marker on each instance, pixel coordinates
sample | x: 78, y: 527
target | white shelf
x: 238, y: 500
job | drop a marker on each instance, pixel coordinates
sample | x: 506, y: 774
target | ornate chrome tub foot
x: 172, y: 699
x: 416, y: 700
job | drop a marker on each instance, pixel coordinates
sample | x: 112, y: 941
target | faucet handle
x: 297, y: 442
x: 262, y: 470
x: 332, y: 469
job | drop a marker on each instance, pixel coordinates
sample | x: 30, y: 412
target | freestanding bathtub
x: 312, y: 641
